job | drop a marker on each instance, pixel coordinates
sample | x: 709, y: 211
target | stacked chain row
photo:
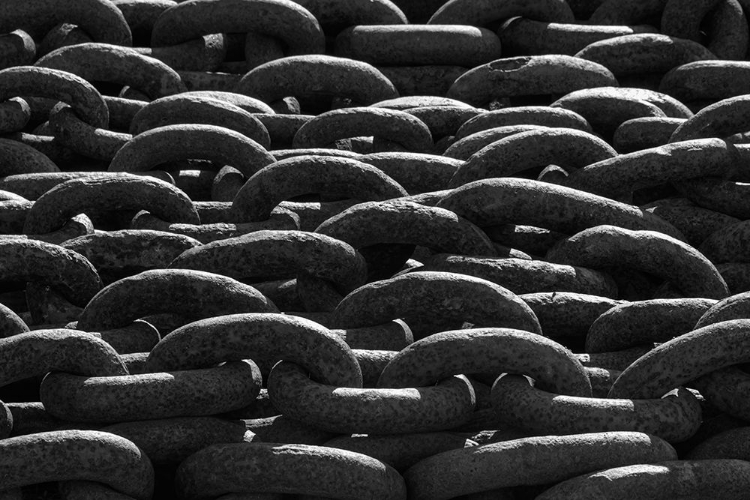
x: 374, y: 249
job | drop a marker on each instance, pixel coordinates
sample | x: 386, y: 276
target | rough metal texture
x: 194, y: 294
x: 116, y: 254
x: 481, y: 13
x: 554, y: 459
x: 295, y: 25
x: 342, y: 410
x: 571, y: 149
x: 193, y: 108
x: 487, y: 350
x: 528, y: 75
x: 566, y: 314
x: 314, y: 74
x: 403, y: 450
x: 73, y: 455
x: 94, y: 195
x: 683, y: 359
x: 310, y: 174
x: 734, y: 307
x: 36, y: 353
x: 265, y: 336
x: 522, y: 276
x: 728, y: 243
x: 202, y: 392
x: 679, y: 161
x: 279, y: 254
x: 54, y: 84
x: 645, y: 322
x: 687, y: 479
x: 264, y: 467
x: 191, y: 141
x: 563, y: 209
x: 113, y: 63
x: 172, y: 440
x: 430, y: 301
x: 674, y: 417
x: 648, y: 251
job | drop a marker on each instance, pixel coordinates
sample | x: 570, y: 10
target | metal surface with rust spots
x: 89, y: 490
x: 138, y: 337
x: 345, y: 410
x: 643, y: 133
x: 68, y: 272
x: 10, y: 322
x: 18, y: 158
x: 479, y: 13
x: 284, y: 429
x: 736, y: 306
x: 55, y: 84
x: 416, y: 172
x: 568, y: 314
x: 77, y: 455
x: 677, y: 161
x: 645, y: 322
x: 279, y: 254
x: 505, y: 201
x: 728, y: 243
x: 80, y: 137
x: 264, y: 467
x: 713, y: 79
x: 523, y: 36
x: 721, y: 119
x: 674, y: 417
x: 686, y: 479
x: 617, y: 360
x: 117, y: 254
x: 193, y: 108
x: 372, y: 362
x: 726, y: 196
x: 522, y: 276
x: 32, y: 186
x: 644, y: 53
x: 35, y: 353
x: 182, y: 393
x: 487, y: 350
x: 555, y: 458
x: 391, y: 335
x: 195, y: 294
x: 6, y: 421
x: 394, y: 125
x: 415, y: 45
x: 685, y: 358
x: 727, y: 390
x: 99, y: 18
x: 172, y: 440
x: 648, y: 251
x: 401, y: 451
x: 300, y: 175
x: 430, y: 301
x: 279, y: 220
x: 571, y: 149
x: 553, y: 74
x: 266, y: 336
x: 407, y: 222
x: 128, y: 192
x: 542, y: 116
x: 462, y: 149
x: 114, y: 63
x: 191, y: 141
x: 286, y: 20
x: 315, y: 74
